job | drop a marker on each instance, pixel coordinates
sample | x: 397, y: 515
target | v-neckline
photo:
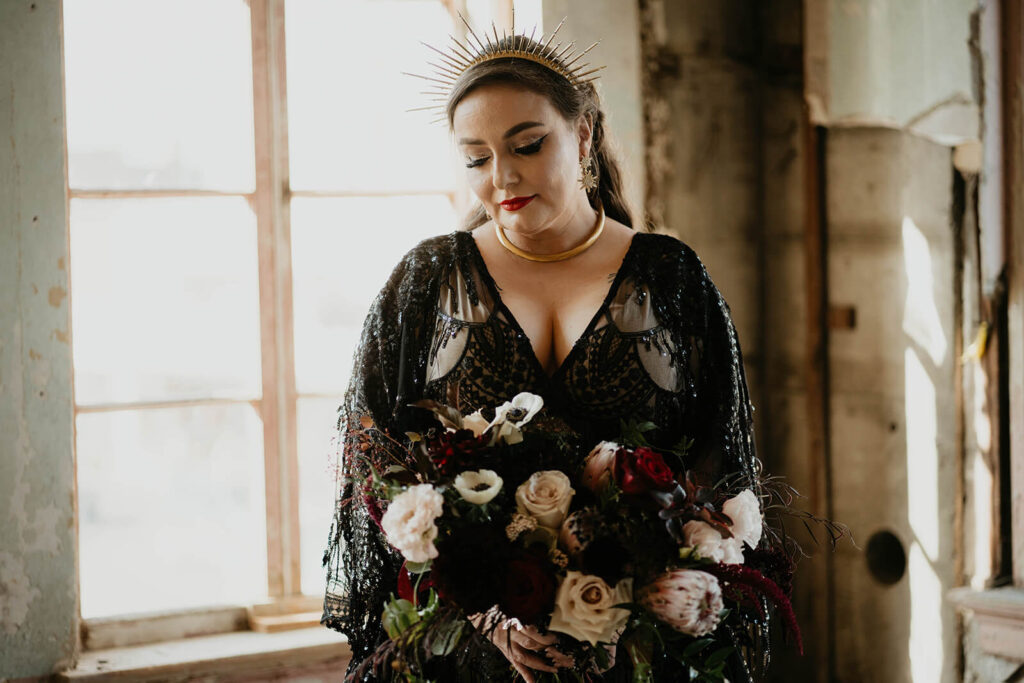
x: 499, y: 303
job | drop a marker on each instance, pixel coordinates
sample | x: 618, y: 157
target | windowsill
x: 999, y: 613
x: 242, y: 652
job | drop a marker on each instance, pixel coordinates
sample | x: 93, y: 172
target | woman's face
x: 516, y: 145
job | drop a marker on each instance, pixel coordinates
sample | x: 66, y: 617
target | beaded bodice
x: 626, y: 364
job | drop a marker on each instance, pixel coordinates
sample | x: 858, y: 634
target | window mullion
x: 272, y: 210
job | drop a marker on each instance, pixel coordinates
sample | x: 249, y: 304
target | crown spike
x: 567, y: 49
x: 444, y: 71
x: 568, y: 64
x: 589, y: 72
x: 552, y: 36
x: 466, y: 54
x: 428, y: 78
x: 497, y: 41
x: 473, y: 33
x: 455, y: 62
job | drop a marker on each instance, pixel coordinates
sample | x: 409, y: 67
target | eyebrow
x: 509, y: 133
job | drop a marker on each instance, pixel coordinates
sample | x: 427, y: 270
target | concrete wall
x: 38, y: 577
x: 893, y: 409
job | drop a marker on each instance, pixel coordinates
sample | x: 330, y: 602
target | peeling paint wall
x: 38, y: 583
x: 903, y: 63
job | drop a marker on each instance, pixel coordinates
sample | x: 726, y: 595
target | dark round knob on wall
x: 887, y: 561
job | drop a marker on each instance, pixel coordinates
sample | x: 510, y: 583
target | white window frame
x: 271, y: 204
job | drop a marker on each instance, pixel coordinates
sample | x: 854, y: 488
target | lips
x: 516, y: 203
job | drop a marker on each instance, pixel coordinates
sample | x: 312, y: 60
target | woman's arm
x: 362, y: 568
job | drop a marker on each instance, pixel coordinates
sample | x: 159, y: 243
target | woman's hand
x: 521, y: 644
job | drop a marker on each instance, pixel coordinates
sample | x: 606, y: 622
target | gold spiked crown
x: 560, y: 59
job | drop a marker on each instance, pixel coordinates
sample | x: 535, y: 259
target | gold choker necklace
x: 560, y: 256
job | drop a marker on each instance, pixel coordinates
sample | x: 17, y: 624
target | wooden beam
x: 276, y: 316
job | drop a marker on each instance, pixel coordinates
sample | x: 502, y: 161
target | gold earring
x: 588, y: 182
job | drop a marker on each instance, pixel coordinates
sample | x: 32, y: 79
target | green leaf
x: 398, y: 616
x: 448, y: 638
x: 418, y: 567
x: 696, y: 646
x: 718, y: 657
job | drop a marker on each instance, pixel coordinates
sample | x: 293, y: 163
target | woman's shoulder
x: 668, y: 260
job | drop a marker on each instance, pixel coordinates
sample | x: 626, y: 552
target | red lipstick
x: 516, y: 203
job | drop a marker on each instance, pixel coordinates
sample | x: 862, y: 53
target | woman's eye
x: 532, y: 148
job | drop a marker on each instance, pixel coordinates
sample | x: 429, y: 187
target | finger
x: 524, y: 640
x: 533, y: 661
x: 562, y: 661
x: 545, y: 638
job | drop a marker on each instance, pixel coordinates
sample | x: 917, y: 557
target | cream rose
x: 409, y: 525
x: 745, y: 512
x: 584, y: 608
x: 545, y: 496
x: 478, y: 487
x: 688, y: 600
x: 598, y: 466
x: 706, y: 540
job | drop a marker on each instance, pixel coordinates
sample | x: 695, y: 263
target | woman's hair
x: 570, y: 103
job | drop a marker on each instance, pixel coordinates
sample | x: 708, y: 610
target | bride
x: 548, y: 288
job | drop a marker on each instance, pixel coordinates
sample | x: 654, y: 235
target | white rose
x: 706, y: 540
x: 409, y: 522
x: 583, y: 608
x: 478, y: 487
x: 546, y: 496
x: 745, y: 512
x: 688, y: 600
x: 598, y: 466
x: 475, y: 422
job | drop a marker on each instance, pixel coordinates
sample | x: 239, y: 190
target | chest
x: 554, y: 311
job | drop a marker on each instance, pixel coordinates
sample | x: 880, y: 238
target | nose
x: 503, y: 173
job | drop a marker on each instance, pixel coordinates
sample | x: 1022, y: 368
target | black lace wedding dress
x: 661, y: 348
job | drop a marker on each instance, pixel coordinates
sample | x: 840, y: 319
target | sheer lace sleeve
x: 724, y: 422
x: 387, y: 374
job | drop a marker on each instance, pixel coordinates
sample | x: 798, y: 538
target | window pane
x: 171, y: 509
x: 343, y: 251
x: 316, y: 486
x: 165, y: 299
x: 347, y: 124
x: 159, y: 94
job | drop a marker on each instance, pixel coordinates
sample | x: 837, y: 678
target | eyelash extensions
x: 531, y: 148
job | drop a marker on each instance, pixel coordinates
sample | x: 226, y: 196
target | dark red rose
x: 639, y: 470
x: 451, y: 450
x: 529, y: 589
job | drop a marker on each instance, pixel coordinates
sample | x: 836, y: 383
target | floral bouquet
x: 621, y: 552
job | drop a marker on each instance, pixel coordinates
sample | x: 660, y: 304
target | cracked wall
x: 38, y: 584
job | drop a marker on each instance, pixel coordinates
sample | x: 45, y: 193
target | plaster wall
x: 38, y: 577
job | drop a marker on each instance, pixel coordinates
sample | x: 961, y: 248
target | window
x: 242, y: 178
